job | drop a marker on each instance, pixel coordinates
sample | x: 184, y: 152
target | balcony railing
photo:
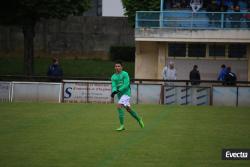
x: 190, y: 20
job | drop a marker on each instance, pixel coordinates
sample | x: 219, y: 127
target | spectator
x: 224, y: 8
x: 235, y: 17
x: 196, y: 5
x: 184, y: 4
x: 213, y: 17
x: 169, y: 73
x: 230, y: 77
x: 222, y: 73
x: 235, y: 2
x: 194, y: 76
x: 176, y: 4
x: 55, y: 72
x: 247, y: 17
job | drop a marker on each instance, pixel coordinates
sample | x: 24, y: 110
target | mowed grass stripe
x: 45, y: 134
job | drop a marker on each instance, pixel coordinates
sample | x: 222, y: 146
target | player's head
x: 223, y: 66
x: 118, y: 66
x: 55, y: 60
x: 171, y: 65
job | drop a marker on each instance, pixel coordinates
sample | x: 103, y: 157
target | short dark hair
x: 118, y: 62
x: 55, y: 59
x: 223, y: 66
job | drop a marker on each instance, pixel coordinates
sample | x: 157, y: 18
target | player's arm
x: 126, y: 82
x: 113, y: 84
x: 114, y: 87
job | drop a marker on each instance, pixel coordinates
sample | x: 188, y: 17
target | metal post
x: 136, y: 20
x: 161, y: 13
x: 186, y: 92
x: 162, y: 3
x: 222, y: 20
x: 237, y: 96
x: 87, y: 92
x: 137, y: 93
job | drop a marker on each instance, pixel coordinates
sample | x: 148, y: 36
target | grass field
x: 82, y: 135
x: 71, y: 67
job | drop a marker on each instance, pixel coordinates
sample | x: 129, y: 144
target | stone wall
x: 78, y: 36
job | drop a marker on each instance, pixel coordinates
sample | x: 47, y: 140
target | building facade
x: 189, y: 39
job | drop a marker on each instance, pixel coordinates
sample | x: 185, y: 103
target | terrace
x: 185, y: 25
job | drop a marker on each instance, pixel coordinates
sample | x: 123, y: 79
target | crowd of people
x: 204, y: 4
x: 226, y: 76
x: 214, y: 6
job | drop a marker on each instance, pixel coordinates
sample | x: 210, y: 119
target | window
x: 217, y: 50
x: 177, y: 50
x: 237, y: 50
x: 196, y: 50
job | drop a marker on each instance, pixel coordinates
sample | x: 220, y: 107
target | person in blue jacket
x: 55, y: 72
x: 222, y: 73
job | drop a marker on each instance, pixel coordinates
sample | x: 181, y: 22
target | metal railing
x: 190, y: 20
x: 36, y: 78
x: 98, y: 90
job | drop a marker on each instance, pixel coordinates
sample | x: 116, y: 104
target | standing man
x: 222, y: 73
x: 194, y: 76
x: 169, y: 73
x: 55, y: 72
x: 121, y: 87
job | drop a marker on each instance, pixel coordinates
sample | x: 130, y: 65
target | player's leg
x: 121, y: 117
x: 134, y: 114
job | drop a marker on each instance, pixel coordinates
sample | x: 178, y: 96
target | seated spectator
x: 230, y: 77
x: 213, y: 17
x: 236, y: 17
x: 184, y: 4
x: 196, y: 5
x: 176, y: 4
x: 194, y: 76
x: 235, y: 2
x: 55, y: 72
x: 247, y: 17
x: 223, y: 8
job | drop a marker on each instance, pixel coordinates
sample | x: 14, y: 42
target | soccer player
x: 121, y: 88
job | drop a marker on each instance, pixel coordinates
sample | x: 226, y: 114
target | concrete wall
x: 151, y: 57
x: 77, y: 36
x: 180, y: 35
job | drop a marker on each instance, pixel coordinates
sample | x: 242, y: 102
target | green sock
x: 135, y: 115
x: 121, y: 115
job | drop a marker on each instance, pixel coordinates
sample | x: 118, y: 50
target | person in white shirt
x: 196, y: 5
x: 169, y: 73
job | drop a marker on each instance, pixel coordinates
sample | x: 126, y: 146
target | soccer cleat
x: 141, y: 123
x: 121, y: 128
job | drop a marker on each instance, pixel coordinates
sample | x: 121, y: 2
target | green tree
x: 26, y: 13
x: 131, y: 6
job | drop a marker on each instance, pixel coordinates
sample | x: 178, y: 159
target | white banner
x: 37, y: 91
x: 186, y: 95
x: 244, y: 96
x: 87, y: 92
x: 149, y: 94
x: 224, y: 96
x: 5, y: 91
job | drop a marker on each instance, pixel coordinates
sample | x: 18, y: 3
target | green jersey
x: 121, y: 83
